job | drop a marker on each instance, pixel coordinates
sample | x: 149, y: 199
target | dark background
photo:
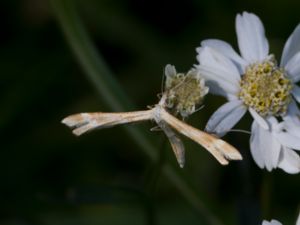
x: 48, y: 176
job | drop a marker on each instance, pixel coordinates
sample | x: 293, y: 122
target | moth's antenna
x: 177, y: 86
x: 181, y: 83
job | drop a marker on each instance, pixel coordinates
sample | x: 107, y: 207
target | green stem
x: 266, y: 193
x: 109, y: 90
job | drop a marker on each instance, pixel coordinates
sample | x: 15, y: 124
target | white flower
x: 275, y: 222
x: 254, y: 82
x: 272, y: 222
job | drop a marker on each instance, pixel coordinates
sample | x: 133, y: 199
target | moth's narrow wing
x: 220, y: 149
x: 84, y: 122
x: 176, y: 143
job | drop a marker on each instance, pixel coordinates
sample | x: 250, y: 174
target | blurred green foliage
x: 48, y: 176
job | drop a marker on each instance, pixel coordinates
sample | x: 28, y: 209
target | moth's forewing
x: 220, y: 149
x: 176, y: 143
x: 84, y: 122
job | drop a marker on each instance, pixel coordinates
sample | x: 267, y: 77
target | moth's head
x: 184, y: 92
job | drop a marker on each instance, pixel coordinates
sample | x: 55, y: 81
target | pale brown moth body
x: 183, y: 103
x: 220, y: 149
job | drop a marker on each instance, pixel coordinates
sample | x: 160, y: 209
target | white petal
x: 211, y: 58
x: 261, y: 121
x: 273, y: 222
x: 215, y: 88
x: 293, y: 67
x: 230, y: 120
x: 266, y: 222
x: 252, y: 41
x: 170, y: 70
x: 288, y: 140
x: 226, y: 117
x: 272, y: 149
x: 231, y: 97
x: 292, y: 126
x: 293, y: 109
x: 291, y: 121
x: 289, y: 161
x: 255, y: 146
x: 272, y: 121
x: 291, y: 47
x: 217, y: 79
x: 265, y: 148
x: 296, y: 93
x: 298, y: 220
x: 275, y: 147
x: 227, y: 50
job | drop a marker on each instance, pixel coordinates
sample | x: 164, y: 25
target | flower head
x: 266, y: 88
x: 255, y: 82
x: 184, y: 91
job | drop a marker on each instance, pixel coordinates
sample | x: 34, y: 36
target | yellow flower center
x: 266, y: 88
